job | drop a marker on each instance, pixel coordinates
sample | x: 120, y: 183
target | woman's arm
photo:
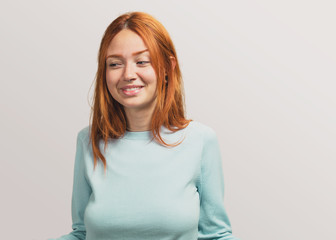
x: 80, y: 195
x: 214, y: 222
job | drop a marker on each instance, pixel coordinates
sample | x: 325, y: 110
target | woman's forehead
x: 120, y: 55
x: 126, y: 41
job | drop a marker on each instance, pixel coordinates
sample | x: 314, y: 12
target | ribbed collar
x: 147, y: 135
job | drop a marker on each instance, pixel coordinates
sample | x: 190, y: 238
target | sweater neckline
x: 138, y: 135
x: 147, y: 135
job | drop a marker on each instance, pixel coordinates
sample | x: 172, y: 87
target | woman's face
x: 130, y: 77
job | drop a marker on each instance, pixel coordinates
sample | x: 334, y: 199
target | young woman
x: 142, y: 170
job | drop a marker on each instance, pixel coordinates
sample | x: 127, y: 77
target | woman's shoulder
x: 201, y: 128
x: 84, y: 133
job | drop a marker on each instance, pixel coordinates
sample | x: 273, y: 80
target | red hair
x: 107, y: 115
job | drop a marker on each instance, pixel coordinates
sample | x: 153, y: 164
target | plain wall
x: 261, y: 73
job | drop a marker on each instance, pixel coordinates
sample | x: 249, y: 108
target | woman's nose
x: 129, y: 73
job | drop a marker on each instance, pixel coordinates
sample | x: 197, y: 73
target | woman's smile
x: 132, y: 91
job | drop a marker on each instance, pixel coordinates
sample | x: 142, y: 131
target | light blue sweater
x: 150, y: 192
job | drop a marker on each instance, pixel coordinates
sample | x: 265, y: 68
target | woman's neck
x: 139, y: 120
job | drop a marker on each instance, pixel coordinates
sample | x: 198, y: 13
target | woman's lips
x: 131, y: 91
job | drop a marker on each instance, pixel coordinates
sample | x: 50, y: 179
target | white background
x: 260, y: 72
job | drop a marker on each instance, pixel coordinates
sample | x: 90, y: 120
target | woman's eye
x: 143, y: 62
x: 113, y: 65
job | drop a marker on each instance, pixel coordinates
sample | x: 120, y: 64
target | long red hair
x: 108, y: 119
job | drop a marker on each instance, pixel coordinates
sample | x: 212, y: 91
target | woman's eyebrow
x: 133, y: 54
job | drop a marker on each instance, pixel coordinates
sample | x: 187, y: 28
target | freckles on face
x: 130, y: 77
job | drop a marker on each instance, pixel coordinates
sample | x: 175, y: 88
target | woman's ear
x: 173, y: 62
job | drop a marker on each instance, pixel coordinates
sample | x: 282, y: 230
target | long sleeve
x: 80, y: 195
x: 214, y: 222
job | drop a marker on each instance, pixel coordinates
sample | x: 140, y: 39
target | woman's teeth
x: 131, y: 89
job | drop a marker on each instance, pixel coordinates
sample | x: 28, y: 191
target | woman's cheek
x: 148, y: 75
